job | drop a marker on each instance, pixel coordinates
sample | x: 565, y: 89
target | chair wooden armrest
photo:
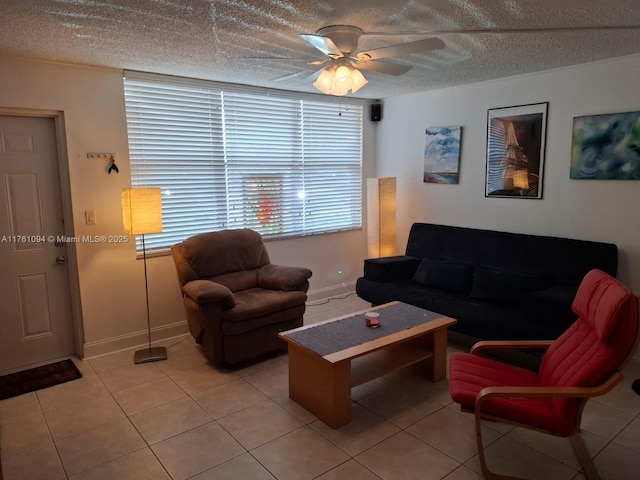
x: 547, y: 392
x: 510, y: 344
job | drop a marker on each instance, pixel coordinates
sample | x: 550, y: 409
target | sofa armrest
x: 206, y: 291
x: 280, y: 277
x: 390, y: 269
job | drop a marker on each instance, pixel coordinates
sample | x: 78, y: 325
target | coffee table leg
x: 439, y: 358
x: 321, y: 387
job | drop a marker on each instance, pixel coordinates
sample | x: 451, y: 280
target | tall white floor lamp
x: 142, y: 214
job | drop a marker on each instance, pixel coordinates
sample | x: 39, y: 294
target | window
x: 225, y: 156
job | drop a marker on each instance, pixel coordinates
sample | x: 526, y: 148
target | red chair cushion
x: 471, y: 373
x: 599, y: 301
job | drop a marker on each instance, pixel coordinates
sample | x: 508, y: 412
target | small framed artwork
x: 442, y: 155
x: 606, y: 147
x: 516, y: 138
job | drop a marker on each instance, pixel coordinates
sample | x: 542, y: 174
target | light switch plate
x: 90, y: 217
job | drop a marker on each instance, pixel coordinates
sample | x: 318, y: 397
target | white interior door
x: 36, y: 324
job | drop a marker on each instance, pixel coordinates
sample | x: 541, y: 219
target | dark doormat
x: 38, y: 378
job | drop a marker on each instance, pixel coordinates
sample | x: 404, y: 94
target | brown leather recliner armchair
x: 235, y: 299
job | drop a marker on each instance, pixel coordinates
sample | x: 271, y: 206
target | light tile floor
x: 185, y: 419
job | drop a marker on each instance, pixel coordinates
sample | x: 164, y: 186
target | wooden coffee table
x: 327, y: 359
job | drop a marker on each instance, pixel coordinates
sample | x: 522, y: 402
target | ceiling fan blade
x: 298, y: 59
x: 419, y: 46
x: 290, y: 76
x: 319, y: 62
x: 314, y: 75
x: 324, y: 44
x: 383, y: 67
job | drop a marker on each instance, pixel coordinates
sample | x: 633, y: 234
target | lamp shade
x: 381, y: 217
x: 358, y: 80
x: 325, y: 80
x: 141, y: 210
x: 340, y: 80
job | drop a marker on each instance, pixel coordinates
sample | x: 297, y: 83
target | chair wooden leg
x: 486, y: 473
x: 588, y: 468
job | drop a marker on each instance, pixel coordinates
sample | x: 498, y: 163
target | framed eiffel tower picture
x: 516, y: 138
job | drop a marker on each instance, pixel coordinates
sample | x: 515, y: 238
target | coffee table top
x: 341, y: 334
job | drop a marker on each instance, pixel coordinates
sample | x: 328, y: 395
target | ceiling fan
x: 340, y: 45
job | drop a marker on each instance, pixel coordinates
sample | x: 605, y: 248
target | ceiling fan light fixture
x: 340, y: 81
x: 343, y: 78
x: 325, y: 81
x: 358, y: 80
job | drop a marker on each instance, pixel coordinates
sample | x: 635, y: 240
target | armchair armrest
x: 280, y: 277
x: 206, y: 291
x: 510, y: 344
x: 547, y: 392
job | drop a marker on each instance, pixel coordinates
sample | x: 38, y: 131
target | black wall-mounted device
x: 376, y: 112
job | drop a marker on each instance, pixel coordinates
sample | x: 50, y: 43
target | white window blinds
x: 233, y: 157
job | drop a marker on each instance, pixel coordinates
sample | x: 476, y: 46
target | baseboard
x: 322, y: 293
x: 134, y: 340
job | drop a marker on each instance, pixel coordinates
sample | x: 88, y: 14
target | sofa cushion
x: 449, y: 275
x: 494, y: 283
x: 551, y: 306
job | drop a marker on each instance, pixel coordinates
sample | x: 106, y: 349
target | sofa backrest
x: 566, y: 260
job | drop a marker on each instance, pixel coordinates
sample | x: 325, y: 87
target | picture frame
x: 442, y: 155
x: 516, y: 142
x: 606, y: 147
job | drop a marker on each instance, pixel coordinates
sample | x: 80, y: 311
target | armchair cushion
x: 258, y: 302
x: 217, y: 253
x: 236, y: 281
x: 471, y: 373
x: 279, y: 277
x: 206, y: 291
x: 603, y: 308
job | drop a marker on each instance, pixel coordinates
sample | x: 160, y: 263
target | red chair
x: 583, y: 362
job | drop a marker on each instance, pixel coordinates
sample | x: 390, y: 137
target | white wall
x: 592, y: 210
x: 110, y: 277
x: 597, y: 210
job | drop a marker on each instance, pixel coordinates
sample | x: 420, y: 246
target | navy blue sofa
x: 498, y: 285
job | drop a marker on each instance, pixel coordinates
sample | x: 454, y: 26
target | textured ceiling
x: 211, y: 39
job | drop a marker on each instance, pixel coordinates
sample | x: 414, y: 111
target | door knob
x: 60, y: 260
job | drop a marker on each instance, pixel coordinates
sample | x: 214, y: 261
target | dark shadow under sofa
x: 498, y: 285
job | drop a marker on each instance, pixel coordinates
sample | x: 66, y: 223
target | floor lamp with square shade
x: 381, y: 217
x: 142, y: 214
